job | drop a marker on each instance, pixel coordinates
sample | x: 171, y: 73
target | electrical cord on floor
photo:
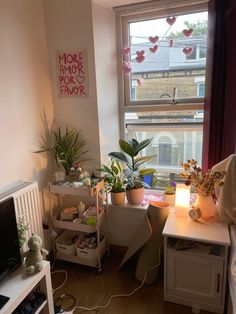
x: 125, y: 294
x: 61, y: 285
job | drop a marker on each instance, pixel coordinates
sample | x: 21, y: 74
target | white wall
x: 106, y: 77
x: 25, y: 90
x: 69, y: 27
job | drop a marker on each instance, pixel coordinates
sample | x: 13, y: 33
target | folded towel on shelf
x: 227, y: 193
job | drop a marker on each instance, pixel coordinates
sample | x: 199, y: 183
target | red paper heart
x: 187, y: 32
x: 187, y: 51
x: 127, y: 67
x: 126, y: 50
x: 171, y: 20
x: 80, y: 79
x: 153, y: 49
x: 171, y: 43
x: 153, y: 40
x: 140, y: 81
x: 140, y: 56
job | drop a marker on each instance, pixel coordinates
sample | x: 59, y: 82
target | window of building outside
x: 165, y: 87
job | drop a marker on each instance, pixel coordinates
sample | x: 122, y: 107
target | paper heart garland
x: 171, y: 20
x: 126, y: 50
x: 127, y: 67
x: 153, y: 40
x: 171, y: 43
x: 153, y: 49
x: 187, y: 32
x: 140, y: 56
x: 187, y: 51
x: 140, y: 81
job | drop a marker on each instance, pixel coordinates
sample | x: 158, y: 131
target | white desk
x: 18, y: 285
x: 194, y: 276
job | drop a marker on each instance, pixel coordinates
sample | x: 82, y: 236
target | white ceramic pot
x: 169, y: 198
x: 207, y: 206
x: 117, y: 198
x: 135, y: 196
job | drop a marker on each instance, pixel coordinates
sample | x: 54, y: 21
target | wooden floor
x: 90, y: 289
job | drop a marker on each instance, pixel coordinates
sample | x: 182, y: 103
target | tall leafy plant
x: 67, y: 148
x: 130, y: 154
x: 114, y: 177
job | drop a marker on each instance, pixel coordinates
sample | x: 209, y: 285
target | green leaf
x: 146, y: 171
x: 127, y: 148
x: 141, y: 160
x: 142, y: 145
x: 119, y: 156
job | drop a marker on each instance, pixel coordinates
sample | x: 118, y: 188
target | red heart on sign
x: 187, y: 32
x: 171, y: 20
x: 153, y: 40
x: 187, y: 51
x: 153, y: 49
x: 126, y: 50
x: 80, y: 79
x: 140, y: 56
x: 140, y: 81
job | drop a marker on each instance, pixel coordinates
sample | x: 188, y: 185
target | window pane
x: 177, y: 137
x: 173, y: 62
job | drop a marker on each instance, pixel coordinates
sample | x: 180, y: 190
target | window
x: 165, y: 87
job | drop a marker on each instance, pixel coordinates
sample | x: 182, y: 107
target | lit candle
x: 182, y: 199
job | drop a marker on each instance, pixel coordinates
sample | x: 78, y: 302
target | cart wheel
x: 99, y: 271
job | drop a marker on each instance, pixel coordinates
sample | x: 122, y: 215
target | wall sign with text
x: 72, y: 73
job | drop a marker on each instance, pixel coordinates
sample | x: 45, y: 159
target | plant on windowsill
x: 169, y: 194
x: 130, y: 155
x: 116, y: 182
x: 67, y: 148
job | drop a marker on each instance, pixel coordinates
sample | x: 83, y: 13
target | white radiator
x: 27, y: 205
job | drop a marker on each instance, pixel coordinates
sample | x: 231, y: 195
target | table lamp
x: 182, y: 199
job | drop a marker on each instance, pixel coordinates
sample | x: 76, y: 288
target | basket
x: 64, y: 242
x: 90, y: 253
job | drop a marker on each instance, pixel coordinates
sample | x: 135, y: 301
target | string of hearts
x: 140, y: 54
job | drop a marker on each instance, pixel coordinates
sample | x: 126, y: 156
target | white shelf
x: 18, y: 285
x: 41, y: 307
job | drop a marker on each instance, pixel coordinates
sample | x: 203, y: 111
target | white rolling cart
x: 89, y: 257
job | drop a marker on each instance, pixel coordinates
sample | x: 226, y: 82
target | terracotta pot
x: 117, y: 198
x: 169, y: 198
x: 207, y: 206
x: 135, y: 196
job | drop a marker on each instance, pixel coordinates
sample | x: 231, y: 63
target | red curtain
x: 219, y: 130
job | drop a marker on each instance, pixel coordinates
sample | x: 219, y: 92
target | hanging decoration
x: 153, y: 49
x: 187, y: 32
x: 187, y: 51
x: 171, y: 20
x: 126, y: 50
x: 153, y: 40
x: 140, y: 56
x: 127, y: 67
x: 140, y: 81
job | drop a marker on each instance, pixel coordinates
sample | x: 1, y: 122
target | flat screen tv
x: 10, y: 257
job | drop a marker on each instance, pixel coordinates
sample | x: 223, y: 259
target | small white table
x: 196, y: 259
x: 18, y: 285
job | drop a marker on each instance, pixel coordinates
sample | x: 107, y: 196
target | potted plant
x: 116, y: 182
x: 130, y: 154
x: 169, y: 194
x: 67, y: 148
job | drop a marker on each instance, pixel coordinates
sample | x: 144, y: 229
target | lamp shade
x: 182, y: 199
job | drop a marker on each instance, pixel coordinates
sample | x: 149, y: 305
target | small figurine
x: 34, y: 255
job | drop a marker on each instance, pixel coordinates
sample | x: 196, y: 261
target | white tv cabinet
x: 18, y: 285
x: 196, y: 259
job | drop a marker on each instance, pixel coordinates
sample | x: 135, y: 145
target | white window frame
x: 139, y: 12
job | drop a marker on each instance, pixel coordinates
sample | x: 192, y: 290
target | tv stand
x: 18, y: 285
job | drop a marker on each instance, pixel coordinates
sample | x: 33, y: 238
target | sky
x: 160, y: 26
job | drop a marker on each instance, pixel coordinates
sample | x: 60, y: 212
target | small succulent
x: 170, y: 189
